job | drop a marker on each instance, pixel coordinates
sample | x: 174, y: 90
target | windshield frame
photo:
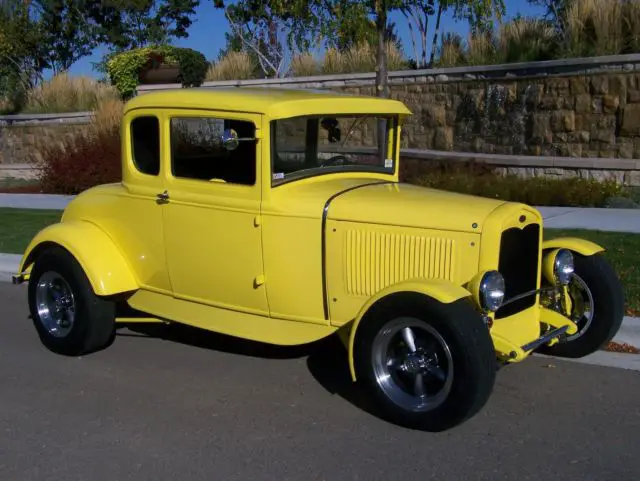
x: 393, y: 127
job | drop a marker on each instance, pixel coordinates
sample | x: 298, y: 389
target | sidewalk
x: 35, y: 201
x: 613, y: 220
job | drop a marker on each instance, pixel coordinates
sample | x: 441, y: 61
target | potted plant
x: 156, y: 64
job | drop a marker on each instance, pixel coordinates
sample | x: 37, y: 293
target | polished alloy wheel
x: 582, y: 306
x: 55, y: 304
x: 412, y: 364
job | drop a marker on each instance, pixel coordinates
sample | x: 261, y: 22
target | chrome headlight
x: 563, y: 267
x: 492, y: 291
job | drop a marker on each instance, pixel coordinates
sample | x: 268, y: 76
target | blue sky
x: 209, y: 26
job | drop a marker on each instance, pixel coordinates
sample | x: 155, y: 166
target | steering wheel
x: 335, y: 160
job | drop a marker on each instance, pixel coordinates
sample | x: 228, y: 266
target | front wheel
x: 69, y: 317
x: 426, y: 365
x: 597, y: 300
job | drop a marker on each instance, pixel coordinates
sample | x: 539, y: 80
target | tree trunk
x: 382, y: 89
x: 435, y: 36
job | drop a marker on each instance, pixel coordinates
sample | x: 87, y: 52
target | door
x: 138, y: 225
x: 211, y: 216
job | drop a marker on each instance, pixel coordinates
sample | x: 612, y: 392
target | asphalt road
x: 199, y: 406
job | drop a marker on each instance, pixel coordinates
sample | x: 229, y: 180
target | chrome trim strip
x: 544, y: 339
x: 325, y: 212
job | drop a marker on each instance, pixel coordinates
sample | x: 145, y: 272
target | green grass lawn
x: 623, y: 251
x: 18, y: 226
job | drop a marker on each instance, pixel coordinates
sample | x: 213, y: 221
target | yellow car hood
x: 412, y: 206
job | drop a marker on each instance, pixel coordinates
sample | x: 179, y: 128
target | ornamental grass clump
x: 63, y: 94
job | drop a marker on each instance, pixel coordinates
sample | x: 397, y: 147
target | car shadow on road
x: 327, y: 359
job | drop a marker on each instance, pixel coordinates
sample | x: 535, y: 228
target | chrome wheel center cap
x: 416, y: 362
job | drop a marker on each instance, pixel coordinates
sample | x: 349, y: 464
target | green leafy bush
x: 484, y: 180
x: 125, y: 68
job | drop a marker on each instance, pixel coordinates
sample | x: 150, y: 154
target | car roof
x: 273, y: 102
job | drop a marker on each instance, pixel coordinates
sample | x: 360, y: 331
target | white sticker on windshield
x: 388, y: 163
x: 278, y: 175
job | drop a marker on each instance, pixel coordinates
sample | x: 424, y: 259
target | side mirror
x: 230, y: 139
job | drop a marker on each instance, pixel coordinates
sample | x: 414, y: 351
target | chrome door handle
x: 162, y: 198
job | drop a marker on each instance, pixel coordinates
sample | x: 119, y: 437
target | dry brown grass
x: 481, y: 50
x: 525, y: 39
x: 68, y: 94
x: 451, y: 51
x: 603, y: 27
x: 233, y: 66
x: 361, y: 58
x: 304, y: 65
x: 107, y: 116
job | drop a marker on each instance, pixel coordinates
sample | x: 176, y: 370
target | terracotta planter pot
x: 163, y: 74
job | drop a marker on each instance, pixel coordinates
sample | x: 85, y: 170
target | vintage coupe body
x: 278, y: 216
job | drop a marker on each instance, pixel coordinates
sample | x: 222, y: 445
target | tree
x: 129, y: 24
x: 21, y: 59
x: 272, y: 31
x: 66, y: 35
x: 555, y: 11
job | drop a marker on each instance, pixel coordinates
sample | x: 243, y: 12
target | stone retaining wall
x: 22, y: 137
x: 583, y: 112
x: 570, y: 108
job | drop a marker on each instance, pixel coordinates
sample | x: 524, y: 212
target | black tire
x: 472, y: 352
x: 608, y: 308
x: 93, y: 327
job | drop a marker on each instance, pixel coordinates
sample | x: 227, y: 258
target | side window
x: 145, y: 139
x: 197, y: 151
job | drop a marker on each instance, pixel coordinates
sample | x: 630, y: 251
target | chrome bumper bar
x: 544, y: 339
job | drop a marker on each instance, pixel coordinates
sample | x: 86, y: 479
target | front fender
x: 104, y: 265
x: 581, y: 246
x: 440, y: 290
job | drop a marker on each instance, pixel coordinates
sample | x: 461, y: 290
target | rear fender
x: 440, y: 290
x: 102, y: 262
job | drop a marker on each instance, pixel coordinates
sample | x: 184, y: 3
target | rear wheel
x: 68, y: 316
x: 597, y: 300
x: 426, y: 365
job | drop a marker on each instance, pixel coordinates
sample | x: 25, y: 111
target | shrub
x: 125, y: 68
x: 85, y: 160
x: 68, y: 94
x: 233, y: 66
x: 484, y: 180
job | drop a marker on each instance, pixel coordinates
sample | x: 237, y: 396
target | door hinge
x: 257, y: 221
x: 259, y: 280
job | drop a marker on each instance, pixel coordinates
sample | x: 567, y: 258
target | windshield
x: 307, y: 146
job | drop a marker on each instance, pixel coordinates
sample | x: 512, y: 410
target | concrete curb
x: 9, y: 264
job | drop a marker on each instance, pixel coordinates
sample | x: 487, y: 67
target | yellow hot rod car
x: 277, y: 216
